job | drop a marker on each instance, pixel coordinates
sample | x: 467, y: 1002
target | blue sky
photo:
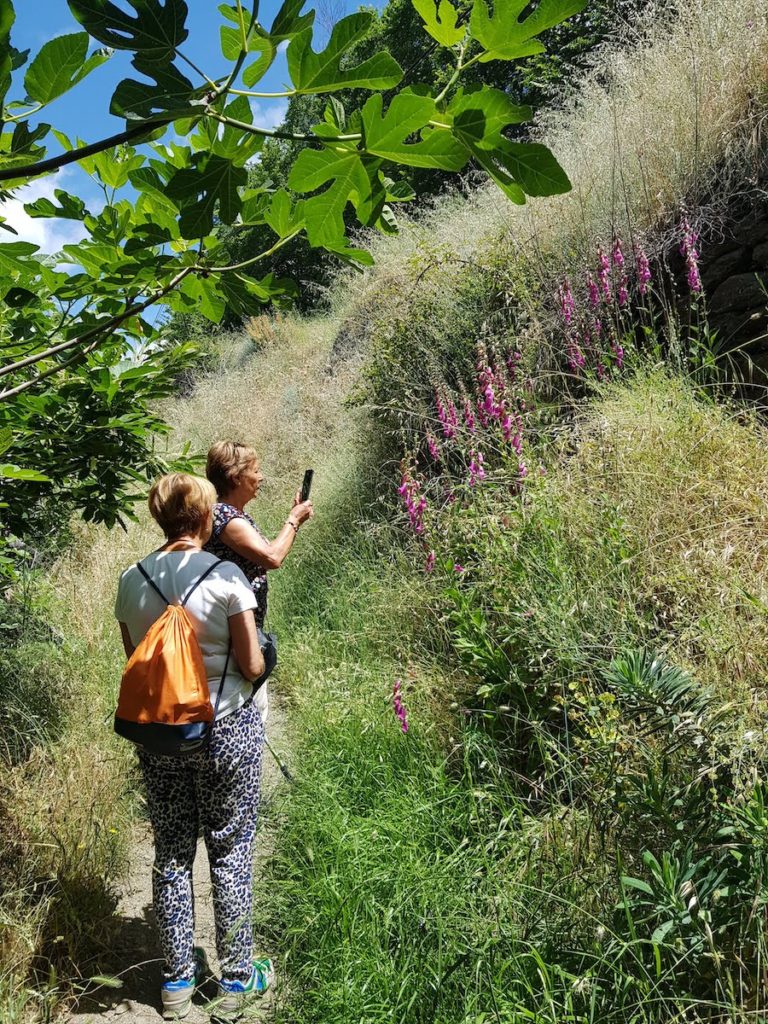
x: 84, y: 111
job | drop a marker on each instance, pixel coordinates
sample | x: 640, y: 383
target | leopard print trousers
x: 217, y: 790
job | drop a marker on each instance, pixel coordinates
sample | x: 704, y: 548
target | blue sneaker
x: 235, y: 995
x: 176, y: 996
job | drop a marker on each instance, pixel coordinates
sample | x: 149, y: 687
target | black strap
x: 194, y: 586
x: 151, y: 582
x: 191, y: 590
x: 221, y: 684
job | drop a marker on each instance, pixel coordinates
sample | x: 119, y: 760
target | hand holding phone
x: 306, y: 485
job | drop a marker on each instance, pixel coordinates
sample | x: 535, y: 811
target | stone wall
x: 734, y: 272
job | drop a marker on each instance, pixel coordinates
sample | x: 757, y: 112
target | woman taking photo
x: 233, y: 469
x: 216, y: 788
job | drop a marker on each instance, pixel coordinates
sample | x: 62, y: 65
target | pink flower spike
x: 604, y: 273
x: 469, y: 416
x: 429, y: 565
x: 434, y: 448
x: 689, y: 250
x: 457, y: 567
x: 643, y: 271
x: 476, y: 470
x: 399, y: 707
x: 593, y: 292
x: 618, y: 253
x: 567, y: 304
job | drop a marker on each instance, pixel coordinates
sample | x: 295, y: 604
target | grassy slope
x: 417, y: 878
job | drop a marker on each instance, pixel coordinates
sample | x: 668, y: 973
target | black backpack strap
x: 222, y: 682
x: 194, y: 586
x: 151, y: 582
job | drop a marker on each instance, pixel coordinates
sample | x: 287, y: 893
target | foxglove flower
x: 689, y: 250
x: 476, y: 469
x: 643, y: 271
x: 415, y: 503
x: 593, y: 292
x: 446, y: 413
x: 567, y: 305
x: 469, y: 416
x: 617, y: 254
x: 604, y: 273
x: 399, y: 707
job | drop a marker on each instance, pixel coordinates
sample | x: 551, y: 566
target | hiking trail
x: 137, y: 1001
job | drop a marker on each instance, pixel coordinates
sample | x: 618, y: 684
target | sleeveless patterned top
x: 256, y: 575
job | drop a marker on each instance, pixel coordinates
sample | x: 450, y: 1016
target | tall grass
x: 470, y: 869
x: 673, y: 112
x: 68, y: 786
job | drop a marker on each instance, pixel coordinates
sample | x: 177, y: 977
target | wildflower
x: 517, y: 443
x: 574, y: 354
x: 469, y: 416
x: 604, y: 273
x: 507, y: 426
x: 600, y: 370
x: 476, y: 470
x: 567, y: 304
x: 513, y: 361
x: 643, y: 271
x: 415, y: 503
x: 447, y: 414
x: 593, y: 292
x: 429, y: 565
x: 522, y: 471
x: 457, y: 567
x: 489, y: 400
x: 618, y: 253
x: 618, y: 354
x: 623, y: 293
x: 434, y: 447
x: 689, y: 250
x: 399, y: 707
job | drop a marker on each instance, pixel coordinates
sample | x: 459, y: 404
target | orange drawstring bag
x: 165, y: 703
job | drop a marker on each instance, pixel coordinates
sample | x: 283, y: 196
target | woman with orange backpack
x: 186, y: 700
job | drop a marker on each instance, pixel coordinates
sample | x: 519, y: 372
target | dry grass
x: 670, y: 113
x: 690, y: 484
x: 67, y: 810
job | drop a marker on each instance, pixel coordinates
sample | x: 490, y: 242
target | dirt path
x: 138, y: 1000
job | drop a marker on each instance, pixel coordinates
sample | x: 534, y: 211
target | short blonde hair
x: 227, y: 461
x: 180, y: 503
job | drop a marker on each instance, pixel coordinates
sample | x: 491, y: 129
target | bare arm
x: 245, y: 644
x: 127, y: 642
x: 247, y: 542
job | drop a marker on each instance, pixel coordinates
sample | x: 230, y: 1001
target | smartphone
x: 306, y: 485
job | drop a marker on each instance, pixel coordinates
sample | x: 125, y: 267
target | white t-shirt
x: 224, y: 592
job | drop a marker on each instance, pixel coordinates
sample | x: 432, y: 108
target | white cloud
x: 269, y: 115
x: 49, y: 233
